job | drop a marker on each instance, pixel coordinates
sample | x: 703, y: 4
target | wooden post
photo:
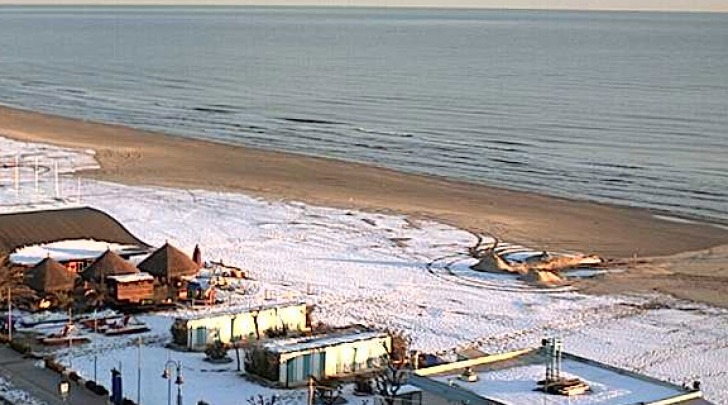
x: 17, y: 174
x: 36, y: 174
x: 55, y: 177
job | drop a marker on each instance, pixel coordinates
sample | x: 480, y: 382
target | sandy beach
x: 680, y: 252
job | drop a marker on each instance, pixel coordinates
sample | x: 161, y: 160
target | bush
x: 100, y: 390
x: 52, y: 365
x: 90, y: 385
x: 74, y: 376
x: 216, y: 350
x: 277, y: 333
x: 20, y: 347
x: 127, y: 401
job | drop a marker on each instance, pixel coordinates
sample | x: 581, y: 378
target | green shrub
x: 53, y: 365
x: 216, y: 350
x: 20, y: 347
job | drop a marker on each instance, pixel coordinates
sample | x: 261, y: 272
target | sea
x: 628, y: 108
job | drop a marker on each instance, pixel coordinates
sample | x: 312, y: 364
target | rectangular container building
x: 198, y: 330
x: 131, y: 288
x: 290, y: 362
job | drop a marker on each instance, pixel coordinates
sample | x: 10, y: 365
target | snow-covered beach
x: 375, y: 269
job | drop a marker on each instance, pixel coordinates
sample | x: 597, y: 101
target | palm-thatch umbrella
x: 108, y: 264
x: 169, y: 263
x: 50, y: 277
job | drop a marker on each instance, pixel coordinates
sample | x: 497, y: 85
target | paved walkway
x: 40, y: 382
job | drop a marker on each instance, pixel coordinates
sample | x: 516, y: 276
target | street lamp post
x: 63, y: 389
x: 167, y: 374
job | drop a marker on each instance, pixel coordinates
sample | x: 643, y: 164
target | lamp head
x: 64, y: 387
x: 165, y: 373
x: 179, y: 380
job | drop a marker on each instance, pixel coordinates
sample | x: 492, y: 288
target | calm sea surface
x: 629, y: 108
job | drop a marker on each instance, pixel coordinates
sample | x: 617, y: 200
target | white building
x: 198, y: 330
x: 514, y: 378
x: 290, y: 362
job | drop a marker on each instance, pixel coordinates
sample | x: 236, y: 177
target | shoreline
x: 140, y: 157
x: 683, y: 258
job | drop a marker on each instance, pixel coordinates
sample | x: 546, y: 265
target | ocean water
x: 626, y: 108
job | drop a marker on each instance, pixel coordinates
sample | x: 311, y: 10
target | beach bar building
x: 197, y: 330
x: 291, y: 362
x: 74, y: 237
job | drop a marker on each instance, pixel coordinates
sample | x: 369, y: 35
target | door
x: 321, y: 372
x: 290, y: 372
x: 307, y: 365
x: 201, y: 336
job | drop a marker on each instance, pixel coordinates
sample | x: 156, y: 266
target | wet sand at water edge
x: 684, y: 259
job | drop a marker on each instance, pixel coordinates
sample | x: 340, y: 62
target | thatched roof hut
x: 168, y: 262
x: 49, y: 276
x: 108, y: 264
x: 38, y: 227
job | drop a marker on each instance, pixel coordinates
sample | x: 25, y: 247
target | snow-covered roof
x: 315, y: 342
x: 66, y: 250
x: 235, y: 310
x: 128, y: 278
x: 515, y: 384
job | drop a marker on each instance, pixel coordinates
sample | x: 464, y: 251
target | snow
x: 13, y: 395
x: 66, y: 250
x: 128, y: 278
x: 207, y: 312
x: 307, y: 343
x: 386, y: 271
x: 516, y: 385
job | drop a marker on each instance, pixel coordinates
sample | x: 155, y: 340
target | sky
x: 664, y: 5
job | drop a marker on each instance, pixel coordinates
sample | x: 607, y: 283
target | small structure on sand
x: 291, y: 362
x: 108, y: 264
x: 125, y: 283
x: 49, y: 277
x: 169, y: 266
x: 136, y: 288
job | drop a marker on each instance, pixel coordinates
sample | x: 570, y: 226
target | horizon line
x: 709, y: 7
x: 362, y: 6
